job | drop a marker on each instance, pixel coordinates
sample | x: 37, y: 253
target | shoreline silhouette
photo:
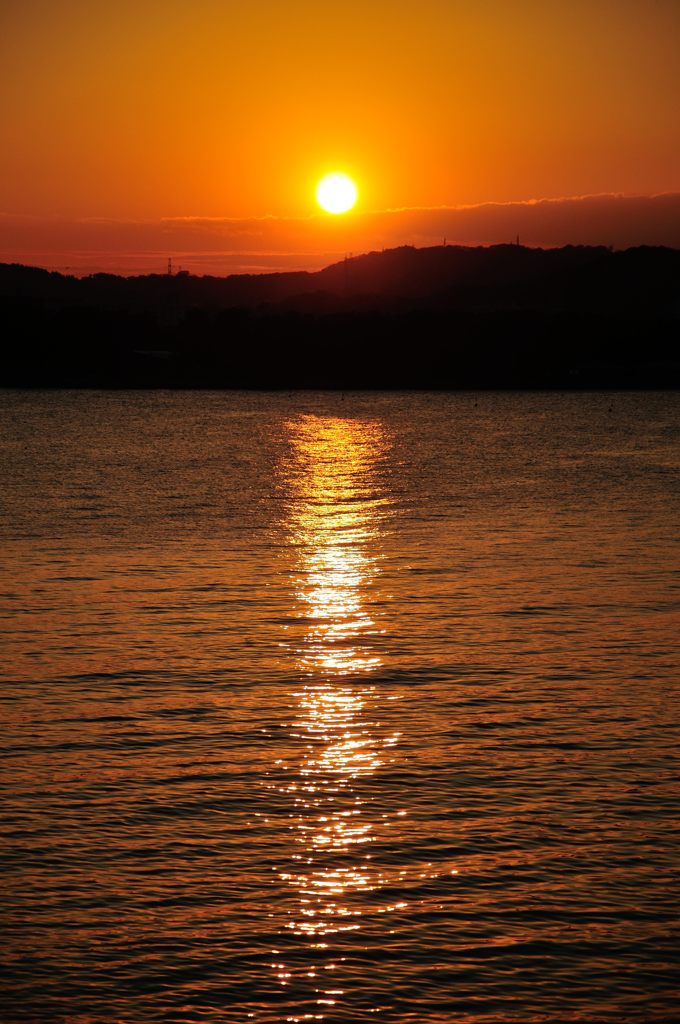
x: 443, y: 317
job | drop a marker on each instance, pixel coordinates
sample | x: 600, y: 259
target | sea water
x: 339, y: 707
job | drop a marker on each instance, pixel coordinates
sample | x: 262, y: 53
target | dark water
x: 339, y: 708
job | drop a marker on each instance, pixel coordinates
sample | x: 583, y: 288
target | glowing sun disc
x: 336, y: 193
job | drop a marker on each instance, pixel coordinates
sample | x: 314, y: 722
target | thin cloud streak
x: 224, y: 245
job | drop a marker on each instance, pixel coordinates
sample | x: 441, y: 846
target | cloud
x: 255, y: 245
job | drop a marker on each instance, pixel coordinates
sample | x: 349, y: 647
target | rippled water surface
x: 339, y: 707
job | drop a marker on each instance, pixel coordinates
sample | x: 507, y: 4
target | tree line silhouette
x: 441, y: 317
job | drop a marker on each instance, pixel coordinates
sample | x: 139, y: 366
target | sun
x: 336, y: 193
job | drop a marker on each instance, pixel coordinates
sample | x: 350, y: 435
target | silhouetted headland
x: 442, y: 317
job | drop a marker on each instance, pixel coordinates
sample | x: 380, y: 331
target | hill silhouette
x: 447, y: 316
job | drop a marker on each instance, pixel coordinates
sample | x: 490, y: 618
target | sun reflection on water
x: 337, y: 513
x: 336, y: 518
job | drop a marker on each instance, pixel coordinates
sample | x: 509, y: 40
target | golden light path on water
x: 337, y: 514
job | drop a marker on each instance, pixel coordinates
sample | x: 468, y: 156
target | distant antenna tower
x: 170, y: 266
x: 348, y: 257
x: 518, y: 240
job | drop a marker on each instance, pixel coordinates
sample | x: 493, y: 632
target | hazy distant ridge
x: 499, y: 316
x: 494, y: 276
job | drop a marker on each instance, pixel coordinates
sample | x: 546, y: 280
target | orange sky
x: 139, y: 110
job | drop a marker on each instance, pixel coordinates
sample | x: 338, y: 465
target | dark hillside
x: 504, y: 316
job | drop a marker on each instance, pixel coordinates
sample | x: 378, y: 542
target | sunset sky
x: 121, y: 117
